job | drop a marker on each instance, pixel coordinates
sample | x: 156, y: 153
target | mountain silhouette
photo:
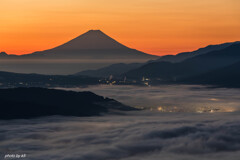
x: 121, y: 68
x: 197, y: 65
x: 228, y: 76
x: 26, y: 103
x: 91, y: 50
x: 186, y: 55
x: 93, y: 39
x: 3, y: 54
x: 93, y: 44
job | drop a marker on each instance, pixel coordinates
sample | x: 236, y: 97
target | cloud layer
x: 179, y: 98
x: 135, y: 136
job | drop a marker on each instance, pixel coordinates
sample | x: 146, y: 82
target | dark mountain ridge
x: 190, y: 67
x: 121, y: 68
x: 228, y: 76
x: 18, y: 103
x: 185, y: 55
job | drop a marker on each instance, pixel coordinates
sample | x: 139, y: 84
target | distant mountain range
x: 93, y: 44
x: 198, y: 65
x: 120, y: 69
x: 24, y: 103
x: 228, y: 76
x: 186, y: 55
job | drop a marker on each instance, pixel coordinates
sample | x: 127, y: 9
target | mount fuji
x: 93, y: 44
x: 91, y: 50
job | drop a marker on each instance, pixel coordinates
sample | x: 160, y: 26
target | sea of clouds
x: 177, y: 98
x: 142, y: 135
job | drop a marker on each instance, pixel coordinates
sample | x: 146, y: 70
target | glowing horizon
x: 153, y: 26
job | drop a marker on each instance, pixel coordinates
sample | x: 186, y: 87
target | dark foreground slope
x: 37, y: 102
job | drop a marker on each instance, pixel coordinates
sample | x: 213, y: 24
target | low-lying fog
x: 142, y: 135
x: 172, y: 98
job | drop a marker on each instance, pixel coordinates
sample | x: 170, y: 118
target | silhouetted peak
x: 95, y: 31
x: 92, y: 39
x: 3, y: 53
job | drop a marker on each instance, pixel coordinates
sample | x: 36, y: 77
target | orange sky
x: 153, y: 26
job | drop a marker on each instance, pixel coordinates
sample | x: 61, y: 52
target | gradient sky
x: 153, y: 26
